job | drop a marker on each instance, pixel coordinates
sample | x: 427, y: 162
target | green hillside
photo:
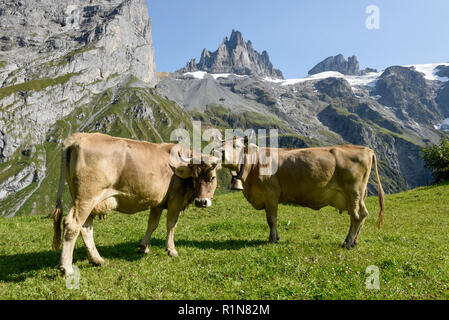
x: 224, y: 254
x: 129, y: 111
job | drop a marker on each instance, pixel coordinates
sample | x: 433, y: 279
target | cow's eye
x: 212, y: 179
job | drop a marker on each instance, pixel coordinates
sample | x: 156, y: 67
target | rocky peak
x: 340, y: 64
x: 234, y: 55
x: 442, y: 71
x: 406, y: 91
x: 335, y: 88
x: 236, y: 40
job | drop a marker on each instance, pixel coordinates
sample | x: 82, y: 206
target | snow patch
x: 369, y: 79
x: 430, y: 70
x: 202, y: 74
x: 444, y: 126
x: 226, y: 75
x: 197, y: 74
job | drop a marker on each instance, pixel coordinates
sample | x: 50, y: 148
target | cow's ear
x: 184, y: 172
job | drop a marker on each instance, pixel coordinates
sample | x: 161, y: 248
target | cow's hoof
x: 143, y: 250
x: 172, y: 253
x: 98, y: 262
x: 273, y: 240
x: 348, y: 245
x: 66, y: 271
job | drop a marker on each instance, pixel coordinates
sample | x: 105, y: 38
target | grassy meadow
x: 224, y: 254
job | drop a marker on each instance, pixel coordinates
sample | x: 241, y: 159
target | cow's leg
x: 350, y: 238
x: 153, y: 222
x: 87, y: 232
x: 358, y: 216
x: 72, y: 227
x: 70, y: 234
x: 363, y: 214
x: 172, y: 221
x: 272, y: 216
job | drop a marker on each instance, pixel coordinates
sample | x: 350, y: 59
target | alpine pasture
x: 224, y: 254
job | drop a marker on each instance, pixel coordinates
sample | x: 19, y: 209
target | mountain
x: 234, y: 55
x: 407, y: 93
x: 75, y: 66
x: 341, y: 65
x: 395, y: 112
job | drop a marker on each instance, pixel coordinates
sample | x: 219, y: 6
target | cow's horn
x: 188, y: 160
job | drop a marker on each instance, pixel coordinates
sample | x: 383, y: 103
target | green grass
x: 35, y: 85
x: 224, y: 254
x: 69, y: 56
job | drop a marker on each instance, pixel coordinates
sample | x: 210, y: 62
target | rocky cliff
x: 56, y: 56
x: 408, y: 94
x: 72, y: 66
x: 234, y: 55
x: 341, y: 65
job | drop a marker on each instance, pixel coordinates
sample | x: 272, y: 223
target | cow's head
x: 204, y: 178
x: 236, y: 152
x: 233, y: 152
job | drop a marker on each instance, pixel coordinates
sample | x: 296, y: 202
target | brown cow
x: 106, y: 173
x: 312, y: 178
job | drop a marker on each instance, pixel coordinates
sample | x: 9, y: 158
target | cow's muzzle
x: 203, y: 203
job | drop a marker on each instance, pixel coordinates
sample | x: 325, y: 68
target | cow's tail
x: 56, y: 215
x: 381, y: 193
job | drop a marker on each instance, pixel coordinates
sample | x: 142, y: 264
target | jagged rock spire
x: 234, y: 55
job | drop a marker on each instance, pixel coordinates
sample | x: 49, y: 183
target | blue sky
x: 298, y: 34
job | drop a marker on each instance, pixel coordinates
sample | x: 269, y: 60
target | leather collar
x: 242, y: 170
